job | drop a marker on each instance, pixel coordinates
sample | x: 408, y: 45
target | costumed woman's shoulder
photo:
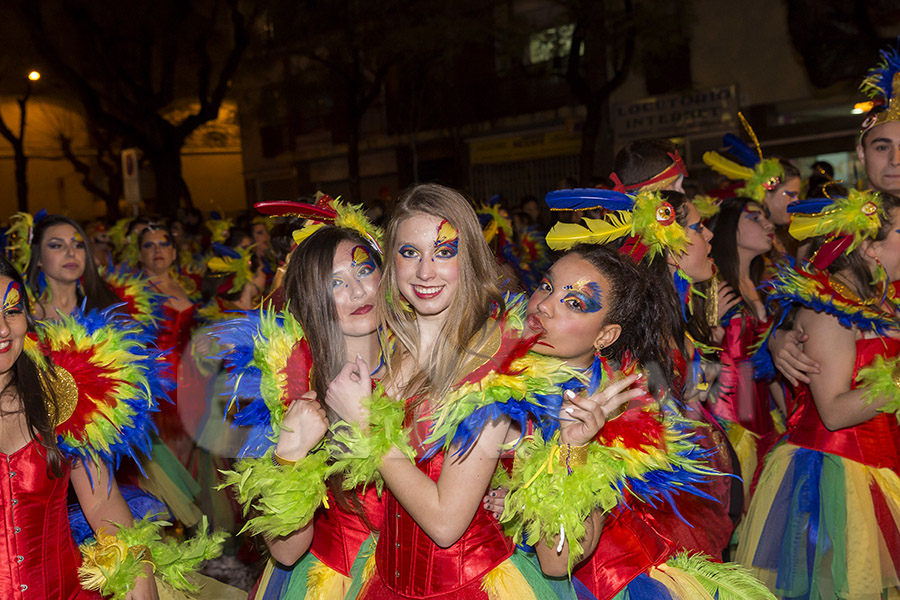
x: 106, y: 379
x: 269, y: 363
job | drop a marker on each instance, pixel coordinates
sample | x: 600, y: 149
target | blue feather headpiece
x: 882, y: 85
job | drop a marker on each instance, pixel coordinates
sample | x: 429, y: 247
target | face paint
x: 77, y: 238
x: 696, y: 226
x: 587, y: 295
x: 409, y: 251
x: 12, y: 298
x: 360, y: 257
x: 446, y: 245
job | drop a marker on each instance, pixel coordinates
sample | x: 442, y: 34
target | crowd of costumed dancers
x: 657, y: 397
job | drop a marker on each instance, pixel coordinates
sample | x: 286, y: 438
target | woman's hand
x: 494, y: 501
x: 727, y: 300
x: 347, y: 390
x: 787, y: 353
x: 582, y: 418
x: 144, y: 586
x: 304, y: 424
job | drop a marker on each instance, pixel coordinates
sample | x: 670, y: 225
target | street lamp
x: 34, y: 76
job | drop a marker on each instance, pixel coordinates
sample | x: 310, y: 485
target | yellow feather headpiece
x: 651, y: 218
x: 346, y: 216
x: 858, y: 215
x: 760, y: 174
x: 234, y: 264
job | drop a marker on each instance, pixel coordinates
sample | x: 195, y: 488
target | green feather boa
x: 357, y: 454
x: 545, y: 500
x: 110, y: 568
x: 880, y: 378
x: 285, y: 497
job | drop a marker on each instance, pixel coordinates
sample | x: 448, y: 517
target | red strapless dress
x: 339, y: 533
x: 875, y: 443
x: 39, y: 555
x: 410, y: 565
x: 174, y: 336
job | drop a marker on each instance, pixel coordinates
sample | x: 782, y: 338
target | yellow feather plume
x: 505, y: 582
x: 728, y: 168
x: 324, y: 583
x: 806, y: 226
x: 598, y: 231
x: 301, y: 234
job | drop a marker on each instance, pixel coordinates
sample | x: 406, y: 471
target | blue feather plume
x: 683, y: 289
x: 223, y: 250
x: 810, y: 206
x: 740, y: 149
x: 589, y: 198
x: 879, y: 80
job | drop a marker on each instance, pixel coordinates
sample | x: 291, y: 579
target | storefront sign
x: 707, y: 111
x: 527, y: 146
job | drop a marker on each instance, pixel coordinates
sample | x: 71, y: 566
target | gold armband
x: 572, y: 456
x: 280, y: 461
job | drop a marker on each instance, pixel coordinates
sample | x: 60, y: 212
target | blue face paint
x: 584, y: 295
x: 409, y: 251
x: 698, y: 226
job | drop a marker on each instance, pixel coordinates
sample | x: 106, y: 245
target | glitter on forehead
x: 12, y: 297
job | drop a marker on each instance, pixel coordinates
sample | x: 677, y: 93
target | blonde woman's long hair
x: 468, y: 325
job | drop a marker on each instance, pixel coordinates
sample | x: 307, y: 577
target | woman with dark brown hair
x: 330, y: 286
x: 61, y: 271
x: 43, y: 558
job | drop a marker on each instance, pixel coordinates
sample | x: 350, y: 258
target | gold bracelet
x: 140, y: 552
x: 573, y: 456
x: 280, y: 461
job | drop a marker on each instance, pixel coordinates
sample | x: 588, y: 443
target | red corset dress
x: 410, y: 565
x: 745, y: 400
x: 875, y: 443
x: 173, y: 338
x: 340, y: 533
x: 39, y: 555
